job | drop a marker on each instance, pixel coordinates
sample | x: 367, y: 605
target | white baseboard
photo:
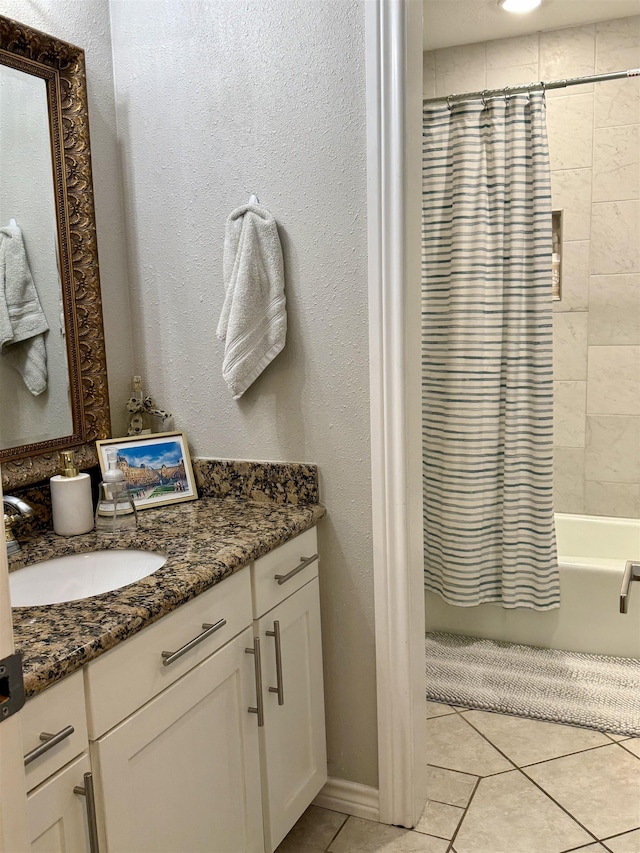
x: 349, y: 798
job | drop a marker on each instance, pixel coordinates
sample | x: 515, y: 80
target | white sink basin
x: 76, y: 576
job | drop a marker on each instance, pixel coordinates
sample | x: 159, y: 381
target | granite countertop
x: 205, y: 541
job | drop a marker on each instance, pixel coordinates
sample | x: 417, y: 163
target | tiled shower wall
x: 594, y: 143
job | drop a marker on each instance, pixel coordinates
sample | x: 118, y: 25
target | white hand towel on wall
x: 253, y: 323
x: 22, y: 320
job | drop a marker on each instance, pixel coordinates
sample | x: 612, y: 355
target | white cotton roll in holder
x: 71, y: 503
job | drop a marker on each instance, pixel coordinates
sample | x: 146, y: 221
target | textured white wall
x: 86, y: 24
x: 217, y: 100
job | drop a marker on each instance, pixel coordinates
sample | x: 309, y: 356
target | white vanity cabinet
x: 54, y: 736
x: 57, y: 814
x: 182, y: 770
x: 292, y: 739
x: 203, y: 732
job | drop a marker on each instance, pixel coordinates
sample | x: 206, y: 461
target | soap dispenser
x: 71, y: 503
x: 116, y: 511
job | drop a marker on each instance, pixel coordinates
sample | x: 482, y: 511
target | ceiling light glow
x: 519, y: 6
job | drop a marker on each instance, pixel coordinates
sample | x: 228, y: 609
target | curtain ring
x: 449, y: 107
x: 484, y: 99
x: 544, y: 92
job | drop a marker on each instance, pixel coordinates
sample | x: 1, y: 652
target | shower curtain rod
x: 533, y: 87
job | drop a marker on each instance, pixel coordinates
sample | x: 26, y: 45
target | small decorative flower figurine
x: 138, y: 406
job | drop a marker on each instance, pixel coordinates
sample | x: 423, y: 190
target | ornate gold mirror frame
x: 61, y: 66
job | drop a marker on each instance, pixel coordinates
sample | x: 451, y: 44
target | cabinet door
x: 292, y: 741
x: 57, y: 816
x: 183, y: 773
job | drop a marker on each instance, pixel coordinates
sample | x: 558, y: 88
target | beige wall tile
x: 615, y: 243
x: 614, y: 310
x: 429, y: 74
x: 613, y: 380
x: 516, y: 75
x: 616, y: 163
x: 618, y: 44
x: 570, y: 131
x: 568, y: 479
x: 617, y: 102
x: 612, y: 454
x: 570, y: 345
x: 460, y: 69
x: 571, y: 192
x: 569, y: 413
x: 575, y: 277
x: 568, y: 53
x: 505, y: 53
x: 620, y: 500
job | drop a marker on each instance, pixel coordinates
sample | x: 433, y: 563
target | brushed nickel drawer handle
x: 92, y: 821
x: 280, y: 688
x: 208, y: 630
x: 49, y: 741
x: 306, y: 561
x: 259, y: 709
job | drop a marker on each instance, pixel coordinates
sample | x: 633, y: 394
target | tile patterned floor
x: 500, y: 784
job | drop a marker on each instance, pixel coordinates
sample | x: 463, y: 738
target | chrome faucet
x: 13, y: 507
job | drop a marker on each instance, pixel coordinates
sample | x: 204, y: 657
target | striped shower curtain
x: 486, y: 354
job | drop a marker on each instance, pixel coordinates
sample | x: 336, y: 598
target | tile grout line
x: 464, y: 814
x: 533, y: 782
x: 338, y: 831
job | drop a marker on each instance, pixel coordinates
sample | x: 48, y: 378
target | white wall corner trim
x: 394, y: 106
x: 350, y: 798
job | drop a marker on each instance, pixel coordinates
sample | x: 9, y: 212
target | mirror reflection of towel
x: 22, y: 320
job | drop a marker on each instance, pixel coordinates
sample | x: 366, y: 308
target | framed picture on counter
x: 157, y: 467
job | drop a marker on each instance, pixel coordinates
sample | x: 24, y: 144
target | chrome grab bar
x: 631, y: 573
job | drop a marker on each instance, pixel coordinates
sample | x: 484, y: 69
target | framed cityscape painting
x: 157, y: 467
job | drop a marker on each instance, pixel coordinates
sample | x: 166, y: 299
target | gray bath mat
x: 592, y: 691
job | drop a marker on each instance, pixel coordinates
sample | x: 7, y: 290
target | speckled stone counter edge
x: 205, y: 541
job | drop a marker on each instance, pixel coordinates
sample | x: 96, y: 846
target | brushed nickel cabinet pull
x: 49, y: 741
x: 92, y: 822
x: 306, y: 561
x: 280, y: 688
x: 257, y: 662
x: 208, y: 629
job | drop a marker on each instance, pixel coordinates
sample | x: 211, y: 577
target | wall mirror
x: 53, y: 377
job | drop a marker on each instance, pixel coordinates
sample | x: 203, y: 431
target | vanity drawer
x: 53, y: 711
x: 122, y: 680
x: 285, y: 561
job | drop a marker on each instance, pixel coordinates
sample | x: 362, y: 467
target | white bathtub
x: 592, y: 554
